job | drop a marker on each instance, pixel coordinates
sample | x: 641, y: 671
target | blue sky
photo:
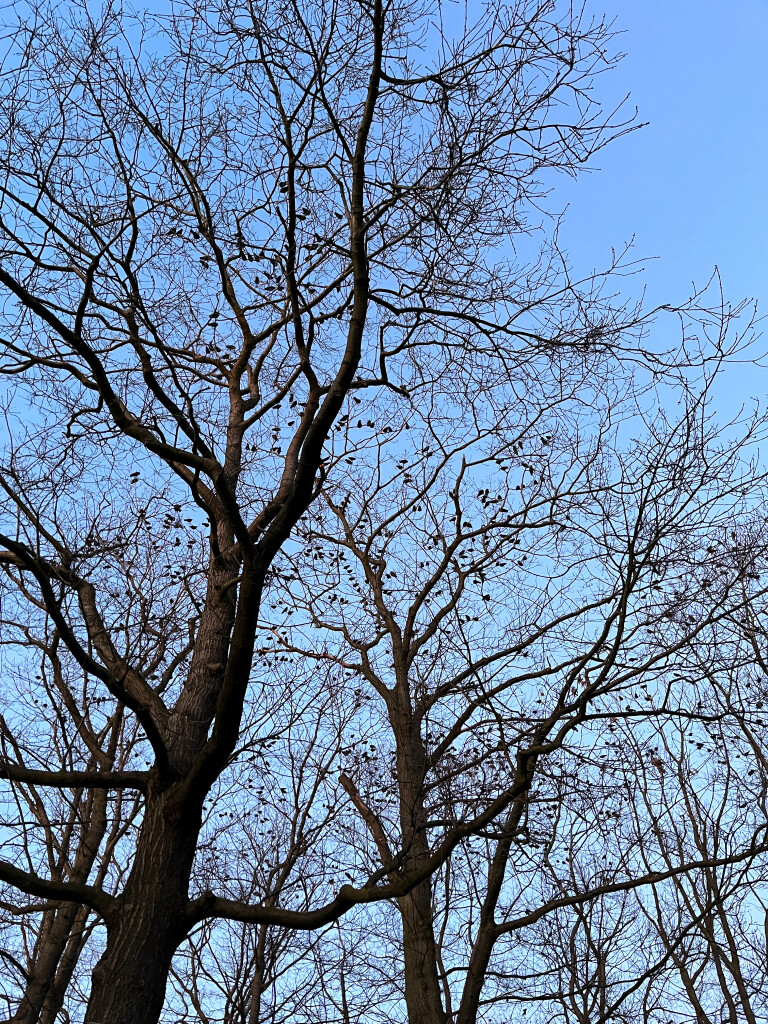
x: 692, y: 187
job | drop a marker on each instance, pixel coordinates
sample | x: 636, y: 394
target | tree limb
x: 68, y: 892
x: 74, y: 779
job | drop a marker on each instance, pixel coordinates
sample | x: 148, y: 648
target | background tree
x: 350, y: 517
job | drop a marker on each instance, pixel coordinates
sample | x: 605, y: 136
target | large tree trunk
x: 129, y: 981
x: 423, y: 998
x: 149, y: 919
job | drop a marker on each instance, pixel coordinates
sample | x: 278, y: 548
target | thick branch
x: 128, y: 687
x: 74, y: 780
x: 370, y: 819
x: 121, y: 415
x: 208, y: 905
x: 69, y: 892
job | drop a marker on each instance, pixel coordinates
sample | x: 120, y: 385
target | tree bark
x: 147, y: 924
x: 60, y: 939
x: 423, y: 997
x: 258, y: 984
x: 42, y: 997
x: 54, y: 1001
x: 149, y: 920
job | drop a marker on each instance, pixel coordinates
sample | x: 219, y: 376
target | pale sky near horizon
x: 692, y: 187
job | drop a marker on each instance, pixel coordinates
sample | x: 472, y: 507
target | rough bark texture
x: 422, y: 986
x: 57, y: 950
x: 258, y: 984
x: 148, y: 922
x: 54, y: 1000
x: 61, y: 936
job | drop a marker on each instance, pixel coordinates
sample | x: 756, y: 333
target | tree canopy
x: 382, y: 601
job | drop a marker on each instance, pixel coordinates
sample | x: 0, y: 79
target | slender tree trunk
x: 258, y: 985
x: 61, y: 930
x: 485, y: 939
x: 39, y: 994
x: 487, y: 933
x: 54, y: 1001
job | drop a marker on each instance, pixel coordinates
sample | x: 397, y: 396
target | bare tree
x: 353, y: 513
x: 688, y: 946
x: 76, y: 835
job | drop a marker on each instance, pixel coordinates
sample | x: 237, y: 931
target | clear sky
x: 692, y: 187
